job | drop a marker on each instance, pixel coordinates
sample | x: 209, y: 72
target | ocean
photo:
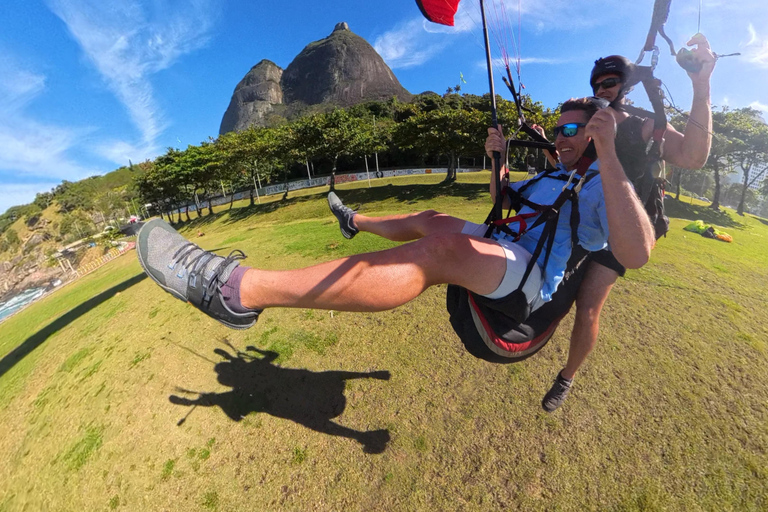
x: 17, y: 302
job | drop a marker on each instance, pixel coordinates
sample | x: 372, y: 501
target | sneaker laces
x: 342, y: 208
x: 199, y: 261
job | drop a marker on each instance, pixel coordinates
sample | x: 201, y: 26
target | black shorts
x: 608, y: 260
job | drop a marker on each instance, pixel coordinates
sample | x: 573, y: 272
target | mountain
x: 340, y: 70
x: 254, y: 97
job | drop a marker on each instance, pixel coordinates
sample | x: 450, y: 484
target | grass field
x: 115, y: 396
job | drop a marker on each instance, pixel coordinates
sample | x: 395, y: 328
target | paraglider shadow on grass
x: 309, y: 398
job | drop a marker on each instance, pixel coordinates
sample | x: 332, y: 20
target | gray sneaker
x: 557, y: 394
x: 189, y: 273
x: 344, y: 214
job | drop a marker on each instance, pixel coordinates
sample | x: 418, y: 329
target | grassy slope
x: 668, y: 413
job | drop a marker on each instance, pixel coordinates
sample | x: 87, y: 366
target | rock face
x: 20, y: 274
x: 254, y: 97
x: 342, y: 69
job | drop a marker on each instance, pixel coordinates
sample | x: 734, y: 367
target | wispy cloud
x: 414, y: 42
x: 499, y: 63
x: 18, y: 86
x: 128, y: 42
x: 756, y: 49
x: 31, y: 148
x: 759, y: 106
x: 408, y: 45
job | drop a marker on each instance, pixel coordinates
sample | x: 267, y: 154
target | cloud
x: 18, y: 194
x: 31, y: 148
x: 408, y: 45
x: 36, y: 149
x: 498, y: 62
x: 18, y: 86
x: 127, y: 44
x: 414, y: 42
x: 759, y: 106
x: 120, y: 151
x: 756, y: 49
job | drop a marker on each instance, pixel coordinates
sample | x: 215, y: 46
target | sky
x: 87, y: 85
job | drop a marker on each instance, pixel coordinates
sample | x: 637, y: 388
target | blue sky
x: 86, y: 85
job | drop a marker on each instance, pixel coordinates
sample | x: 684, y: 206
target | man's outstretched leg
x: 398, y: 228
x: 593, y: 292
x: 376, y: 281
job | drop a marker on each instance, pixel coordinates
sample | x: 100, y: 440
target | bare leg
x: 594, y: 291
x: 412, y: 226
x: 380, y: 280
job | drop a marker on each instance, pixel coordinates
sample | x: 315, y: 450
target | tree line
x: 432, y: 129
x: 739, y: 145
x: 426, y: 131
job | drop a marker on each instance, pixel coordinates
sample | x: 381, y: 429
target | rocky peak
x: 254, y: 97
x: 342, y: 69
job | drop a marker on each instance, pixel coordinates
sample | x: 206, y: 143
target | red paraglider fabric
x: 439, y: 11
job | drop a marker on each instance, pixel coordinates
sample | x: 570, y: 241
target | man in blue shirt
x: 443, y: 249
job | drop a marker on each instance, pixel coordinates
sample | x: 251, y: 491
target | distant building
x: 760, y: 174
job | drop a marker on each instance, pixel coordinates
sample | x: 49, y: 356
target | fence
x: 112, y: 254
x: 280, y: 188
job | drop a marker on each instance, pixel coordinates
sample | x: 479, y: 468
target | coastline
x: 52, y: 287
x: 45, y: 291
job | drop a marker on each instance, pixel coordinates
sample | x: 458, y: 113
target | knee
x: 428, y: 217
x: 588, y: 309
x: 446, y: 247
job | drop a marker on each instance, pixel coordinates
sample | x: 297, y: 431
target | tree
x: 447, y: 132
x: 43, y: 200
x: 248, y: 155
x: 750, y: 140
x: 76, y: 225
x: 12, y: 237
x: 71, y: 196
x: 330, y: 135
x: 721, y: 155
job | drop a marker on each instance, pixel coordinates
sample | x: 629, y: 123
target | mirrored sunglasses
x: 569, y: 129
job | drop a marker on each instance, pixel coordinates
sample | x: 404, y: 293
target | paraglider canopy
x: 439, y: 11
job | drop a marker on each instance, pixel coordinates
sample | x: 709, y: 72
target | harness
x: 546, y: 215
x: 505, y: 330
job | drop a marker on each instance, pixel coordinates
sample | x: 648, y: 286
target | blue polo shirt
x: 593, y: 224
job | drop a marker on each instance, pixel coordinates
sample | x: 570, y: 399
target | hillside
x: 30, y: 234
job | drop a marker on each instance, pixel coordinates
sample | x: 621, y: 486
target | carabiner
x: 654, y: 57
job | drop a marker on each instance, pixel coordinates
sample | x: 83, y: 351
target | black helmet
x: 613, y: 64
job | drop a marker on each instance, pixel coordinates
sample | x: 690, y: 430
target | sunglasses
x: 568, y: 130
x: 607, y: 83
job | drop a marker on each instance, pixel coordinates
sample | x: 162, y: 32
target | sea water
x: 17, y: 302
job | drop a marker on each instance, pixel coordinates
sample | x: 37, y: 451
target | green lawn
x: 115, y: 396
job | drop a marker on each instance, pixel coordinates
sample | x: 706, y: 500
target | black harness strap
x: 547, y: 215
